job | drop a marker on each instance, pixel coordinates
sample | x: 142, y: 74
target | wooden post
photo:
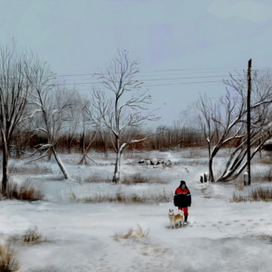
x: 248, y: 119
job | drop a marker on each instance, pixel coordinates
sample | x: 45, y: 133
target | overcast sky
x: 179, y: 42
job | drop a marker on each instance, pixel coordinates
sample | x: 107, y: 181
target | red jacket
x: 182, y: 197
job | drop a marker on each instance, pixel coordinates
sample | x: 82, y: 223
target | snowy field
x: 221, y: 235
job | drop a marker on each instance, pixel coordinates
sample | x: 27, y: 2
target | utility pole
x: 248, y: 120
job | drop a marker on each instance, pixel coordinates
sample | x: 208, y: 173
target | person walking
x: 183, y: 199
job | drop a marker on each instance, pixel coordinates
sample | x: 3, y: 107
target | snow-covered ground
x: 221, y: 235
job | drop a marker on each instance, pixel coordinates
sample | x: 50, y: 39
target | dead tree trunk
x: 4, y: 163
x: 60, y: 163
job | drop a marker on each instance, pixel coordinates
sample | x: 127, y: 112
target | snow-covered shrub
x: 138, y: 235
x: 131, y: 234
x: 33, y: 235
x: 29, y: 236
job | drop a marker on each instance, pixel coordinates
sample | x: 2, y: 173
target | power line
x: 196, y: 69
x: 181, y: 83
x: 172, y: 84
x: 166, y: 78
x: 155, y: 79
x: 160, y: 71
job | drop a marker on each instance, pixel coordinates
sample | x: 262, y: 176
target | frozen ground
x: 221, y: 236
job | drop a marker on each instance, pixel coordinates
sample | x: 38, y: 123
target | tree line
x: 40, y: 117
x: 161, y: 138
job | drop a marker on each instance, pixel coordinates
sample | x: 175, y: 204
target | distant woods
x: 162, y: 138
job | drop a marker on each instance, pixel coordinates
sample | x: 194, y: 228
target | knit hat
x: 182, y: 182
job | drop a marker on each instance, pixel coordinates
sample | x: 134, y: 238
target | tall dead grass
x: 139, y: 178
x: 239, y: 183
x: 30, y: 169
x: 126, y: 179
x: 131, y: 234
x: 93, y: 178
x: 30, y: 236
x: 8, y: 259
x: 264, y: 175
x: 256, y: 194
x: 27, y: 190
x: 265, y: 237
x: 138, y: 235
x: 33, y: 236
x: 122, y: 198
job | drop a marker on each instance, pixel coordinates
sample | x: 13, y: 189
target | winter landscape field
x: 89, y: 224
x: 105, y: 106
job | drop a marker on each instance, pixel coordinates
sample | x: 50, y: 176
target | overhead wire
x: 159, y: 71
x: 171, y: 84
x: 167, y: 76
x: 151, y: 79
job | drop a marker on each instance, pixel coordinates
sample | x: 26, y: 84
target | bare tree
x: 74, y: 124
x: 104, y: 140
x: 224, y: 122
x: 210, y: 112
x: 88, y: 129
x: 120, y: 104
x: 55, y: 112
x: 14, y: 89
x: 52, y: 106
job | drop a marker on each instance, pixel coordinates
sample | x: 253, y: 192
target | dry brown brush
x: 139, y: 178
x: 265, y: 237
x: 8, y: 259
x: 33, y: 236
x: 30, y: 236
x: 31, y: 169
x: 131, y: 234
x: 256, y: 194
x: 138, y: 235
x: 27, y: 190
x: 122, y: 198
